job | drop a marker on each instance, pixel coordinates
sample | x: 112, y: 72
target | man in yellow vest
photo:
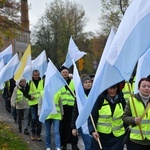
x: 68, y: 100
x: 35, y: 86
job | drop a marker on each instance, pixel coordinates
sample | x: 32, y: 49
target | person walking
x: 107, y: 113
x: 6, y: 96
x: 34, y: 87
x: 19, y: 99
x: 11, y: 89
x: 52, y: 119
x: 86, y: 137
x: 137, y: 115
x: 68, y: 101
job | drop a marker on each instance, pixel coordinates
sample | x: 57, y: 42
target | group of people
x: 114, y: 111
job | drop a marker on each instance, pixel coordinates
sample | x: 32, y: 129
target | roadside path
x: 33, y: 145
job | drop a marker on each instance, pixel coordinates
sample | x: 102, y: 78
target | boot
x: 20, y: 129
x: 26, y: 132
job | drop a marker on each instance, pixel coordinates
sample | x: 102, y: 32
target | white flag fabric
x: 1, y: 67
x: 80, y: 95
x: 143, y: 69
x: 53, y: 83
x: 73, y: 53
x: 39, y: 63
x: 2, y: 64
x: 27, y: 73
x: 6, y: 54
x: 8, y: 70
x: 132, y: 38
x: 106, y: 76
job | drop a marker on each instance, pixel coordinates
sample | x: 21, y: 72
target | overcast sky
x: 91, y: 8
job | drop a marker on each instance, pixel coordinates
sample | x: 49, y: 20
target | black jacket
x: 75, y: 112
x: 99, y: 103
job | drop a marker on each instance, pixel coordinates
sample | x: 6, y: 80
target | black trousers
x: 65, y: 127
x: 135, y: 146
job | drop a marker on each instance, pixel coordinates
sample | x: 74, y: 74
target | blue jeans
x: 87, y: 140
x: 48, y: 124
x: 36, y: 125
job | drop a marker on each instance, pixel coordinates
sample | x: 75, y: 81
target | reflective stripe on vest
x: 145, y: 123
x: 58, y: 115
x: 35, y: 92
x: 126, y: 92
x: 66, y: 97
x: 108, y: 123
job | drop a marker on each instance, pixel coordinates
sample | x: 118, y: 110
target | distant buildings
x: 22, y: 39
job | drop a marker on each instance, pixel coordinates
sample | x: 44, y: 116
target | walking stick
x: 135, y: 110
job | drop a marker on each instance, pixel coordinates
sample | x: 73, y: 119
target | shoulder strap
x: 146, y: 110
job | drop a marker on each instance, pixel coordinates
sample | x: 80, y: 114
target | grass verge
x: 9, y: 140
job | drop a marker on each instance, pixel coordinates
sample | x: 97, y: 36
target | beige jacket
x: 22, y: 104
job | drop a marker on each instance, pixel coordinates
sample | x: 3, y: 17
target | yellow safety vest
x: 126, y: 92
x: 35, y: 92
x: 21, y: 101
x: 108, y: 123
x: 58, y: 115
x: 66, y: 97
x: 133, y: 84
x: 19, y: 96
x: 145, y: 123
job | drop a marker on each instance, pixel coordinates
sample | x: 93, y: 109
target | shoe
x: 32, y: 137
x: 26, y: 132
x: 39, y: 139
x: 48, y: 149
x: 75, y: 147
x: 20, y: 130
x: 58, y: 148
x: 9, y: 110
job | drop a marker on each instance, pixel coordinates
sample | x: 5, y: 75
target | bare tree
x: 54, y: 29
x: 123, y: 5
x: 9, y: 19
x: 112, y: 13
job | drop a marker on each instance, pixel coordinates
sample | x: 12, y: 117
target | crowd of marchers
x: 115, y: 111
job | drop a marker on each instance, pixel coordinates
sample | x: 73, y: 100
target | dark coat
x: 75, y: 112
x: 99, y: 103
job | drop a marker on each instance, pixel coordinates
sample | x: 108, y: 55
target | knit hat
x: 21, y: 79
x: 85, y: 78
x: 62, y: 68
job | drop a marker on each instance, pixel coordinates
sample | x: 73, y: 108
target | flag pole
x: 73, y: 94
x: 135, y: 110
x: 99, y: 142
